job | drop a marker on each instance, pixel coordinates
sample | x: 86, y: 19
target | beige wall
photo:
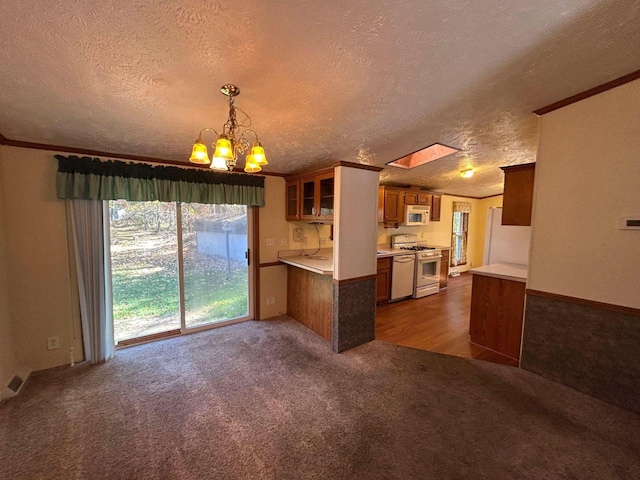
x: 43, y: 296
x: 439, y: 233
x: 8, y: 357
x: 586, y: 179
x: 40, y: 287
x: 273, y: 226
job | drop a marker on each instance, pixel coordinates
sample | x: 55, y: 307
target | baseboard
x: 16, y: 383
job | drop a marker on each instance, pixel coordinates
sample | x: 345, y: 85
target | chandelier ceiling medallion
x: 231, y: 142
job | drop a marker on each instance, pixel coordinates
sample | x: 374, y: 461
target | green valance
x: 94, y: 179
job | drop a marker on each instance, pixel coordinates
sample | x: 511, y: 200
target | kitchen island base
x: 497, y: 309
x: 310, y: 300
x: 341, y: 312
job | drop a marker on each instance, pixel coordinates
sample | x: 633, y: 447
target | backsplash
x: 311, y: 235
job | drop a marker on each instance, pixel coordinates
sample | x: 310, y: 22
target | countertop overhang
x: 320, y: 262
x: 505, y: 271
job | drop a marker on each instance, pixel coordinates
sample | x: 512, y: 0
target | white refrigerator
x: 505, y: 243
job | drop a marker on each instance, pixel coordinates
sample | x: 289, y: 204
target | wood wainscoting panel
x: 310, y: 300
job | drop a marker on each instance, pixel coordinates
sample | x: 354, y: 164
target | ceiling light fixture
x: 230, y: 143
x: 468, y: 173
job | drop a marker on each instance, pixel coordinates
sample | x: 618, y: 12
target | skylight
x: 426, y: 155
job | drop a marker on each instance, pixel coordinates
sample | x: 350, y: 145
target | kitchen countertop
x: 505, y: 271
x: 321, y: 262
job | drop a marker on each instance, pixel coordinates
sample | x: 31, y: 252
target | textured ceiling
x: 360, y: 80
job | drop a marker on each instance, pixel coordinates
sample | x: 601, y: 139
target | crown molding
x: 589, y: 93
x: 123, y: 156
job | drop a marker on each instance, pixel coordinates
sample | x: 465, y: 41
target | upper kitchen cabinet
x: 517, y: 201
x: 311, y: 197
x: 392, y: 200
x: 435, y: 208
x: 417, y: 198
x: 293, y: 199
x: 390, y: 205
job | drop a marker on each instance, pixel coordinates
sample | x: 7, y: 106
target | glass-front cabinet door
x: 325, y: 196
x: 310, y: 198
x: 308, y: 189
x: 293, y: 200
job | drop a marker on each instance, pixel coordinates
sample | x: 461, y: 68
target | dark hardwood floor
x: 438, y: 323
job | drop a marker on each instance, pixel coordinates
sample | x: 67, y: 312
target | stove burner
x: 417, y: 248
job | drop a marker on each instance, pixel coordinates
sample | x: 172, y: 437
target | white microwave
x: 416, y: 215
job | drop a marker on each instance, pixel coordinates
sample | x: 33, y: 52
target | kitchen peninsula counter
x: 320, y: 262
x: 310, y: 288
x: 506, y: 271
x: 497, y: 307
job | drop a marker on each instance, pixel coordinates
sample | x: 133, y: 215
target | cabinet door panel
x: 308, y: 207
x: 518, y: 194
x: 444, y: 268
x: 435, y: 208
x: 392, y: 206
x: 410, y: 198
x: 325, y: 185
x: 424, y: 199
x: 293, y: 200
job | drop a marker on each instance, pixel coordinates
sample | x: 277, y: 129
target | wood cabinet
x: 435, y: 208
x: 293, y: 200
x: 392, y: 200
x: 413, y: 197
x: 497, y: 310
x: 390, y: 205
x: 444, y: 267
x: 517, y: 201
x: 310, y: 197
x: 383, y: 280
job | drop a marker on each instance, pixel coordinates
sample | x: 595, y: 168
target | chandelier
x: 231, y: 142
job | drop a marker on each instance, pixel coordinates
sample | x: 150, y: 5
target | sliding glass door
x: 214, y: 259
x: 177, y: 267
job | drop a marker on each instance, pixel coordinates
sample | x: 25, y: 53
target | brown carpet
x: 270, y: 400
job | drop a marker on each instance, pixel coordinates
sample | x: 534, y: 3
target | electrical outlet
x: 298, y: 235
x: 53, y: 343
x: 323, y: 240
x: 271, y: 242
x: 283, y: 242
x: 271, y: 300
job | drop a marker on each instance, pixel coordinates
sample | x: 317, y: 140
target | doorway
x: 177, y: 268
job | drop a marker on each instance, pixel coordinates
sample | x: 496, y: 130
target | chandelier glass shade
x: 232, y: 142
